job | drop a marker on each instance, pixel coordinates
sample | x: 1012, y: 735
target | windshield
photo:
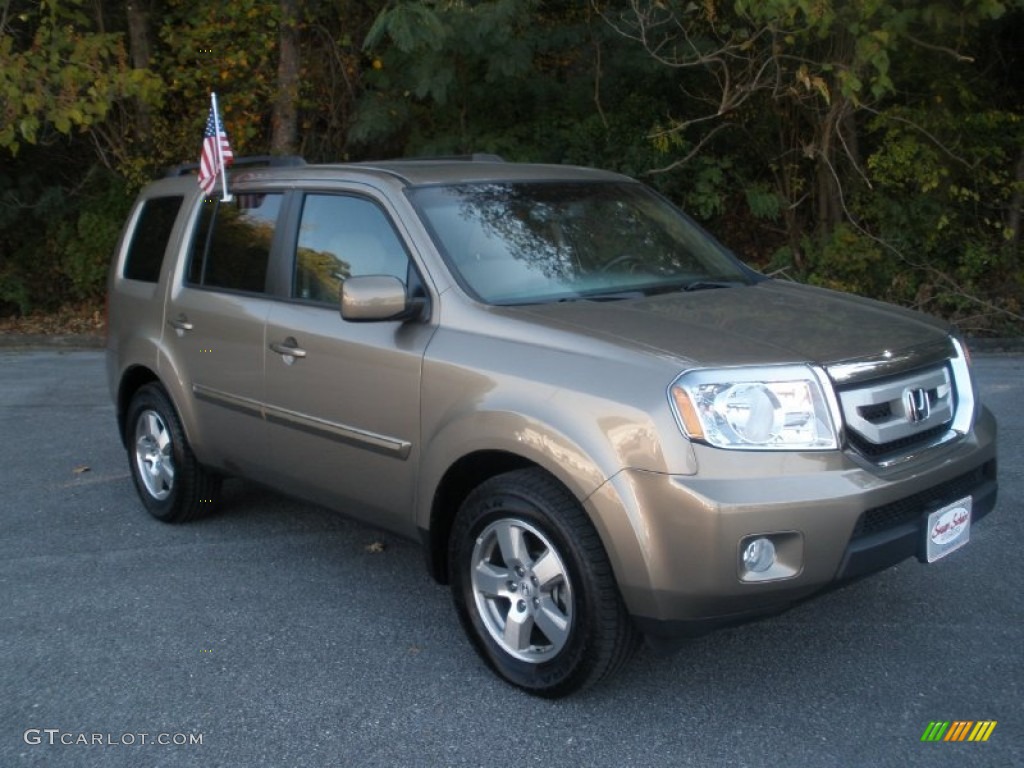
x: 523, y: 243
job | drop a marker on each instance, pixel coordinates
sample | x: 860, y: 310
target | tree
x: 285, y: 119
x: 874, y: 146
x: 58, y: 73
x: 137, y: 15
x: 529, y: 80
x: 796, y: 99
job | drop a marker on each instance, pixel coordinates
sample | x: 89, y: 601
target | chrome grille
x: 899, y: 414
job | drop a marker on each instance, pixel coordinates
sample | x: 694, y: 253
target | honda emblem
x: 916, y: 405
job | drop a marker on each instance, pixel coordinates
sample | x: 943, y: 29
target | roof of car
x: 475, y: 168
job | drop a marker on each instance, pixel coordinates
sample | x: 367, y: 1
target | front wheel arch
x: 458, y: 482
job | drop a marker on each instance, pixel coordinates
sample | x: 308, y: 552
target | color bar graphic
x: 959, y: 730
x: 982, y: 730
x: 935, y: 731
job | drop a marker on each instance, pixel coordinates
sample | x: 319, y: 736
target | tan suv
x: 599, y: 423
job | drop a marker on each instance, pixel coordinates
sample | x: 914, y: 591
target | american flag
x: 209, y: 165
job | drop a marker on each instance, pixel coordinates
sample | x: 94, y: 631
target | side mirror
x: 375, y: 298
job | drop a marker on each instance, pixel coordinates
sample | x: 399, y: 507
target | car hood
x: 761, y: 324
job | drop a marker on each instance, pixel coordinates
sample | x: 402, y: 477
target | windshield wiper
x: 612, y: 296
x: 703, y: 285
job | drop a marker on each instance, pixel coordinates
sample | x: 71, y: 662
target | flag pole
x: 218, y: 128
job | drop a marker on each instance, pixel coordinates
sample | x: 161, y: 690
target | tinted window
x: 341, y: 237
x: 232, y: 241
x: 150, y: 238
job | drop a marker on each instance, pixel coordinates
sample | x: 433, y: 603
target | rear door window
x: 232, y: 242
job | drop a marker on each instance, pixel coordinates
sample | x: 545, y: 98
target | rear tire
x: 533, y: 586
x: 173, y: 485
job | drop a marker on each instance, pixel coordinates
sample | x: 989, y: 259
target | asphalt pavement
x: 280, y: 634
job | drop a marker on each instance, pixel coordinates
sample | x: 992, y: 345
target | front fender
x: 513, y: 433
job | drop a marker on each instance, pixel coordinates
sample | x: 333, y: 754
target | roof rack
x: 476, y: 157
x: 274, y: 161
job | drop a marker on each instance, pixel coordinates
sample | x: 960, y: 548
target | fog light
x: 759, y: 555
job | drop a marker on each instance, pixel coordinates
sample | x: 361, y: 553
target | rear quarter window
x: 149, y: 240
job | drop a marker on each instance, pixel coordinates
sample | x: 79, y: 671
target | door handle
x: 289, y: 348
x: 180, y: 323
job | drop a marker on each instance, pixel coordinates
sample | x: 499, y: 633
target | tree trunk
x: 827, y: 179
x: 285, y: 119
x: 138, y: 49
x: 1013, y: 218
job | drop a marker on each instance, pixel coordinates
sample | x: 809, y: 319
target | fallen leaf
x: 375, y: 547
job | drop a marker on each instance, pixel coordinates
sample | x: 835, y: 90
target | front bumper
x: 674, y: 541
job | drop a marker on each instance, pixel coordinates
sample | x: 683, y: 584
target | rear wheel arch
x: 132, y: 380
x: 172, y: 484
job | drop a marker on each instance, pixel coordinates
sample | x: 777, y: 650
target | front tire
x: 173, y: 485
x: 533, y: 586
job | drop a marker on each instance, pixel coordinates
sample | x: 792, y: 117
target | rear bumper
x: 675, y: 542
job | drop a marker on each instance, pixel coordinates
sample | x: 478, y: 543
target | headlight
x: 781, y: 408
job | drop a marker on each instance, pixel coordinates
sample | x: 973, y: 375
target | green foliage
x: 58, y: 242
x: 58, y: 75
x: 26, y: 203
x: 709, y: 186
x: 229, y: 48
x: 932, y: 230
x: 448, y: 55
x: 410, y: 27
x: 847, y: 260
x: 86, y: 248
x: 943, y: 193
x: 519, y: 77
x: 763, y: 202
x: 873, y: 146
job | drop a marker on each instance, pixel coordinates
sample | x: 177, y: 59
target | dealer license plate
x: 948, y: 529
